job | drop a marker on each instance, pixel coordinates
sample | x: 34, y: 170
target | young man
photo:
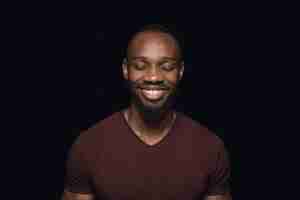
x: 148, y: 150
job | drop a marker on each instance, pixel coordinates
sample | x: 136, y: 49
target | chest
x: 152, y: 174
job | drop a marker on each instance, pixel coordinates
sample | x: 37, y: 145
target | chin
x: 153, y: 111
x: 156, y: 107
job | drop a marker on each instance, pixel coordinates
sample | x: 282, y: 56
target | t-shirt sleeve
x: 77, y: 177
x: 219, y: 178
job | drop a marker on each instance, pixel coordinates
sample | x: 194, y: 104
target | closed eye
x: 169, y: 66
x: 138, y: 65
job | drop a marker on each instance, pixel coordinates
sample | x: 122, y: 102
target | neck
x: 138, y: 121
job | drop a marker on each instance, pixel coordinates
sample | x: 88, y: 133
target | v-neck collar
x: 161, y: 142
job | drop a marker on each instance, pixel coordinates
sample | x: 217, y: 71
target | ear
x: 125, y: 68
x: 181, y: 70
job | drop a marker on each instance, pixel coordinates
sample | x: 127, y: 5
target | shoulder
x: 102, y: 125
x: 199, y: 132
x: 205, y: 143
x: 93, y: 136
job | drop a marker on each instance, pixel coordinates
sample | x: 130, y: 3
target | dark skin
x: 153, y: 61
x: 152, y: 58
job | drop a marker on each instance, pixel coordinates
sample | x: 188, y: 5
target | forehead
x: 153, y: 45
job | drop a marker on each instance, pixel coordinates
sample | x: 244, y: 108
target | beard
x: 152, y: 112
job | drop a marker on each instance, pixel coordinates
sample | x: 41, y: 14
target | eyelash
x: 139, y: 66
x: 165, y: 66
x: 168, y: 67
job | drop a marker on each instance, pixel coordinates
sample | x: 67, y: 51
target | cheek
x: 134, y: 76
x: 172, y: 78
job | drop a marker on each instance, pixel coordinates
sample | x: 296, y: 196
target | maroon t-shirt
x: 111, y: 162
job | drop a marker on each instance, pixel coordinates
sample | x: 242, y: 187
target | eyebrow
x: 144, y: 58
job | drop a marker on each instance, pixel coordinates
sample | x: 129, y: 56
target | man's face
x: 153, y: 70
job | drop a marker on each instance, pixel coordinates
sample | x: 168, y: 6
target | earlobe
x: 181, y: 71
x: 125, y: 69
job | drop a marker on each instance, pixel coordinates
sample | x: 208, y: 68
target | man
x: 149, y: 151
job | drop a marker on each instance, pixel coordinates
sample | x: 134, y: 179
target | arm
x: 219, y: 181
x: 226, y: 196
x: 76, y: 196
x: 77, y: 178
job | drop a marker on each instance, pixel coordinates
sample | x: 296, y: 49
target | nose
x: 154, y: 74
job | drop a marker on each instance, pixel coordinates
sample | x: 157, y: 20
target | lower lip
x: 153, y: 95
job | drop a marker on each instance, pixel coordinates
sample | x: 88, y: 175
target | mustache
x: 158, y: 85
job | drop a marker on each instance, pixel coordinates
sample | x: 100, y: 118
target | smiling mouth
x: 153, y: 94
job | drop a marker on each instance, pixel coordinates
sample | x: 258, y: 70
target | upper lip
x: 153, y: 88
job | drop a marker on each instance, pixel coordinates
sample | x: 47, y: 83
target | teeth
x: 153, y: 94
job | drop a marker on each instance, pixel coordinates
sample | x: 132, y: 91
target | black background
x: 69, y: 77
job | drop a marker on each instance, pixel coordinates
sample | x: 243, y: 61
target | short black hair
x: 155, y: 27
x: 169, y: 29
